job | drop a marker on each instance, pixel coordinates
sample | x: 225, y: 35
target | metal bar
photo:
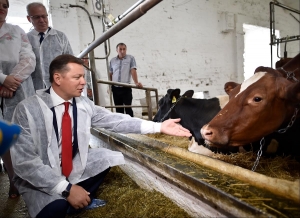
x: 149, y: 103
x: 147, y: 92
x: 134, y: 15
x: 295, y: 17
x: 119, y: 17
x: 130, y: 9
x: 286, y: 7
x: 273, y: 39
x: 288, y: 39
x: 271, y: 30
x: 94, y: 82
x: 119, y: 106
x: 125, y: 85
x: 156, y: 98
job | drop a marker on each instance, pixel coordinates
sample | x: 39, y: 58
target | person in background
x: 17, y: 62
x: 47, y: 43
x: 56, y: 171
x: 88, y: 78
x: 122, y: 68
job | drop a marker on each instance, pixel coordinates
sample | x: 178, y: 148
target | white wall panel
x: 178, y: 43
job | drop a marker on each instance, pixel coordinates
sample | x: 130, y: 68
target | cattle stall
x: 199, y: 189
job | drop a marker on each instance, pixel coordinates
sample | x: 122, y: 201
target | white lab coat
x: 54, y: 44
x: 17, y: 59
x: 35, y: 156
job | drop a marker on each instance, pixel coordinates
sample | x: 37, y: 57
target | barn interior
x: 186, y: 44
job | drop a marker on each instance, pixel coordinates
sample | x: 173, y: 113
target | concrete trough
x: 199, y: 190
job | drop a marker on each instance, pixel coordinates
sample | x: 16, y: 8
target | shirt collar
x: 121, y: 58
x: 37, y: 33
x: 56, y: 99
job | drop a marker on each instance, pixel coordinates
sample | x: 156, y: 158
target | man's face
x: 39, y: 18
x: 71, y: 83
x: 121, y: 51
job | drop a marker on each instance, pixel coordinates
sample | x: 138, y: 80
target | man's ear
x: 29, y: 19
x: 57, y: 78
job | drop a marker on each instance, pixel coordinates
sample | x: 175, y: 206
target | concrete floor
x: 10, y: 208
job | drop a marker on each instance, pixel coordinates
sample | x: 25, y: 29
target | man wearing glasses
x: 47, y: 44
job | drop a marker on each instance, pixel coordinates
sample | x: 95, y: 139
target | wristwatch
x: 66, y: 192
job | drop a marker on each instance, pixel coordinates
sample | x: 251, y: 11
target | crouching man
x: 56, y: 171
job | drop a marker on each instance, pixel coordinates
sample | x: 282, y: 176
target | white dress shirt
x: 59, y: 107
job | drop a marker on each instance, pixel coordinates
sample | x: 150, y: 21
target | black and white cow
x: 194, y: 114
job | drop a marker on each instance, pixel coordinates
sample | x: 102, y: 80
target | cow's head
x: 167, y: 101
x: 257, y: 107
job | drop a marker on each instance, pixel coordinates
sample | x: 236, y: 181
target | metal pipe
x: 125, y: 85
x: 286, y: 7
x: 131, y: 8
x: 94, y: 79
x: 273, y: 39
x: 106, y: 56
x: 71, y: 6
x: 295, y: 18
x: 119, y: 17
x: 134, y: 15
x: 272, y: 29
x: 147, y: 93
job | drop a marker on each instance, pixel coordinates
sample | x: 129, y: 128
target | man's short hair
x: 121, y: 43
x: 59, y: 64
x: 34, y: 4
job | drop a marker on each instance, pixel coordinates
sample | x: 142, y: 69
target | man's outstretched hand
x: 171, y: 127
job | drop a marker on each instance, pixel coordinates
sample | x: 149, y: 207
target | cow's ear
x: 170, y: 91
x: 188, y: 94
x: 229, y: 86
x: 262, y: 69
x: 175, y: 94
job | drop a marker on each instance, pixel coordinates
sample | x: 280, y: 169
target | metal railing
x: 132, y: 14
x: 148, y: 90
x: 131, y: 17
x: 273, y: 39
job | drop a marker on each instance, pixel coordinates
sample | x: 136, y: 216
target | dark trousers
x: 59, y: 208
x: 123, y: 96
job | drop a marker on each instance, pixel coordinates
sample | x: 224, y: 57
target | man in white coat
x: 47, y: 43
x: 38, y: 153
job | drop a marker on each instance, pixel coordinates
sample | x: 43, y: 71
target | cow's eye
x: 257, y: 99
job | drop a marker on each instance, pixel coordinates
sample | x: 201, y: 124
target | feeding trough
x: 195, y: 187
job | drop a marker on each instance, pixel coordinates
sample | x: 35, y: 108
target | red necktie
x: 66, y: 151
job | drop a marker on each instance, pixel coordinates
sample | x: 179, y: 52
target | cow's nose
x: 206, y: 132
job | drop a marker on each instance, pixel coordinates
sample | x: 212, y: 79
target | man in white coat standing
x: 47, y: 43
x: 49, y: 186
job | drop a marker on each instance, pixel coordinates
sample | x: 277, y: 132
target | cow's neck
x: 291, y: 74
x: 292, y: 66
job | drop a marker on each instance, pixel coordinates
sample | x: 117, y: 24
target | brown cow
x: 257, y: 107
x: 282, y: 62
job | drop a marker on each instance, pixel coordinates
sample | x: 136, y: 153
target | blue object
x: 8, y: 135
x: 95, y: 203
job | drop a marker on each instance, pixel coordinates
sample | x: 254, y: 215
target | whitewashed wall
x: 178, y: 43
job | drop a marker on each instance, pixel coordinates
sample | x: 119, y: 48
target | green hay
x: 126, y: 199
